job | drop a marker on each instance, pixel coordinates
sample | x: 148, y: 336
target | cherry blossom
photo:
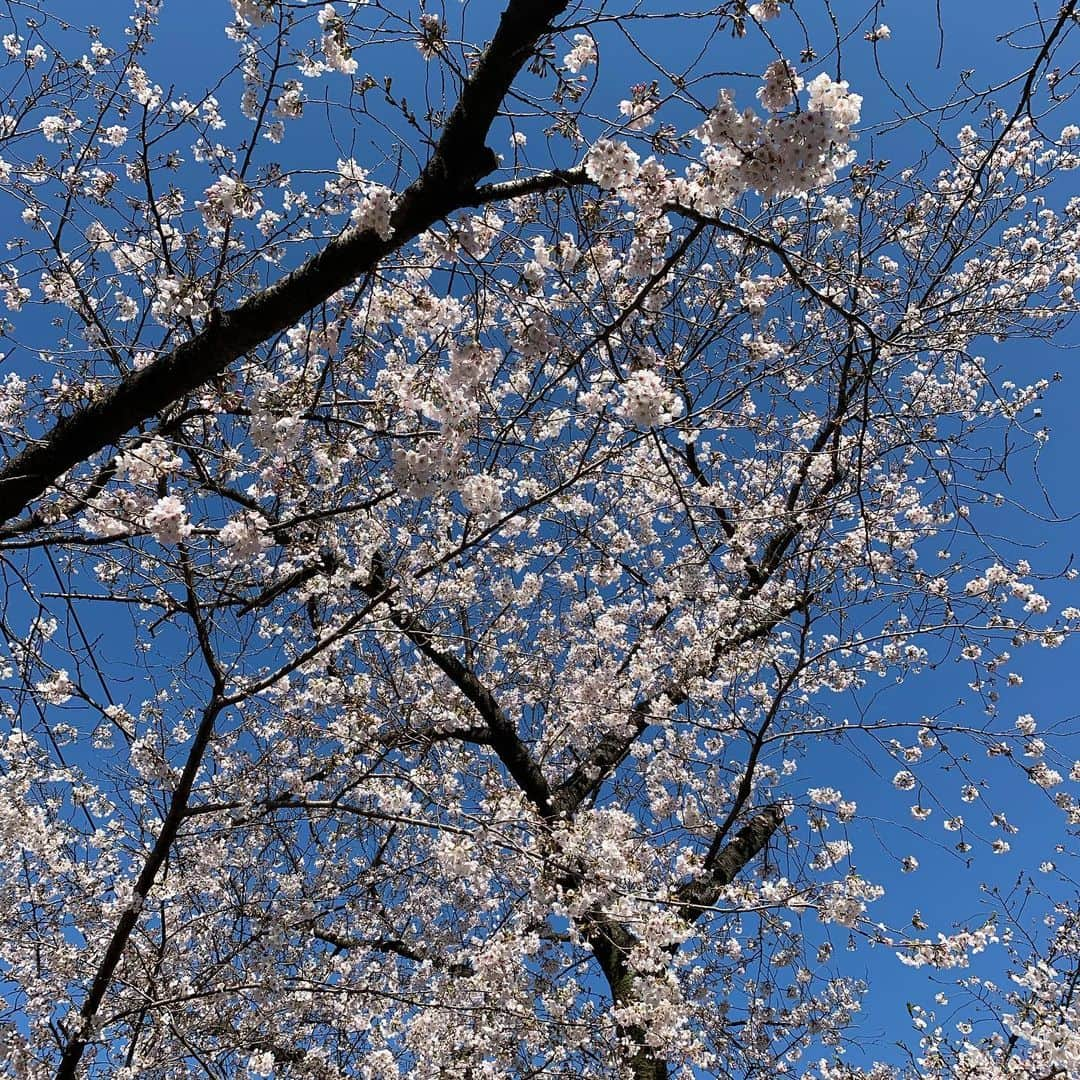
x: 543, y: 612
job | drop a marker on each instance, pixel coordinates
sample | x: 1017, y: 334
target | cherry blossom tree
x: 465, y: 469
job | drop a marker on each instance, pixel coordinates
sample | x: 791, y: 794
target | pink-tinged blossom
x: 290, y: 103
x: 254, y: 12
x: 167, y: 520
x: 12, y: 397
x: 145, y: 92
x: 640, y: 110
x: 245, y: 537
x: 15, y: 295
x: 374, y: 211
x: 178, y: 299
x: 831, y: 853
x: 147, y: 462
x: 335, y: 41
x: 372, y: 205
x: 779, y: 87
x: 481, y: 494
x: 582, y: 55
x: 612, y: 165
x: 226, y: 199
x: 1042, y: 775
x: 785, y: 155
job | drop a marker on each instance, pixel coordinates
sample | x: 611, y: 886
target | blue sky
x: 191, y: 52
x: 943, y: 888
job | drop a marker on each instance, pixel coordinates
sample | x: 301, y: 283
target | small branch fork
x: 447, y: 183
x: 610, y: 940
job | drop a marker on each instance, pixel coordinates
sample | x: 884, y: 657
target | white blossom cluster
x: 582, y: 55
x: 477, y: 621
x: 245, y: 537
x: 226, y: 199
x: 370, y: 204
x: 784, y: 155
x: 612, y: 165
x: 335, y: 41
x: 147, y: 462
x: 646, y: 401
x: 167, y: 520
x: 949, y: 950
x: 255, y: 12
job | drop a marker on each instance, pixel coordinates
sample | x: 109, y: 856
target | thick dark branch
x: 696, y: 897
x: 501, y: 733
x: 114, y: 951
x: 612, y: 749
x: 611, y: 944
x: 447, y: 183
x: 606, y: 756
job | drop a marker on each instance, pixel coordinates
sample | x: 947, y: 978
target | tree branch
x: 501, y: 734
x: 530, y: 185
x: 696, y: 897
x: 393, y: 946
x: 612, y: 943
x: 178, y: 802
x: 447, y: 183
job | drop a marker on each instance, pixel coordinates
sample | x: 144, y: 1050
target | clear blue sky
x: 191, y: 53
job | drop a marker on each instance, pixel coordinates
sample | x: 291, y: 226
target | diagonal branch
x: 83, y: 1025
x: 531, y: 185
x: 394, y: 946
x: 447, y: 183
x: 612, y: 942
x: 500, y: 733
x: 696, y: 897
